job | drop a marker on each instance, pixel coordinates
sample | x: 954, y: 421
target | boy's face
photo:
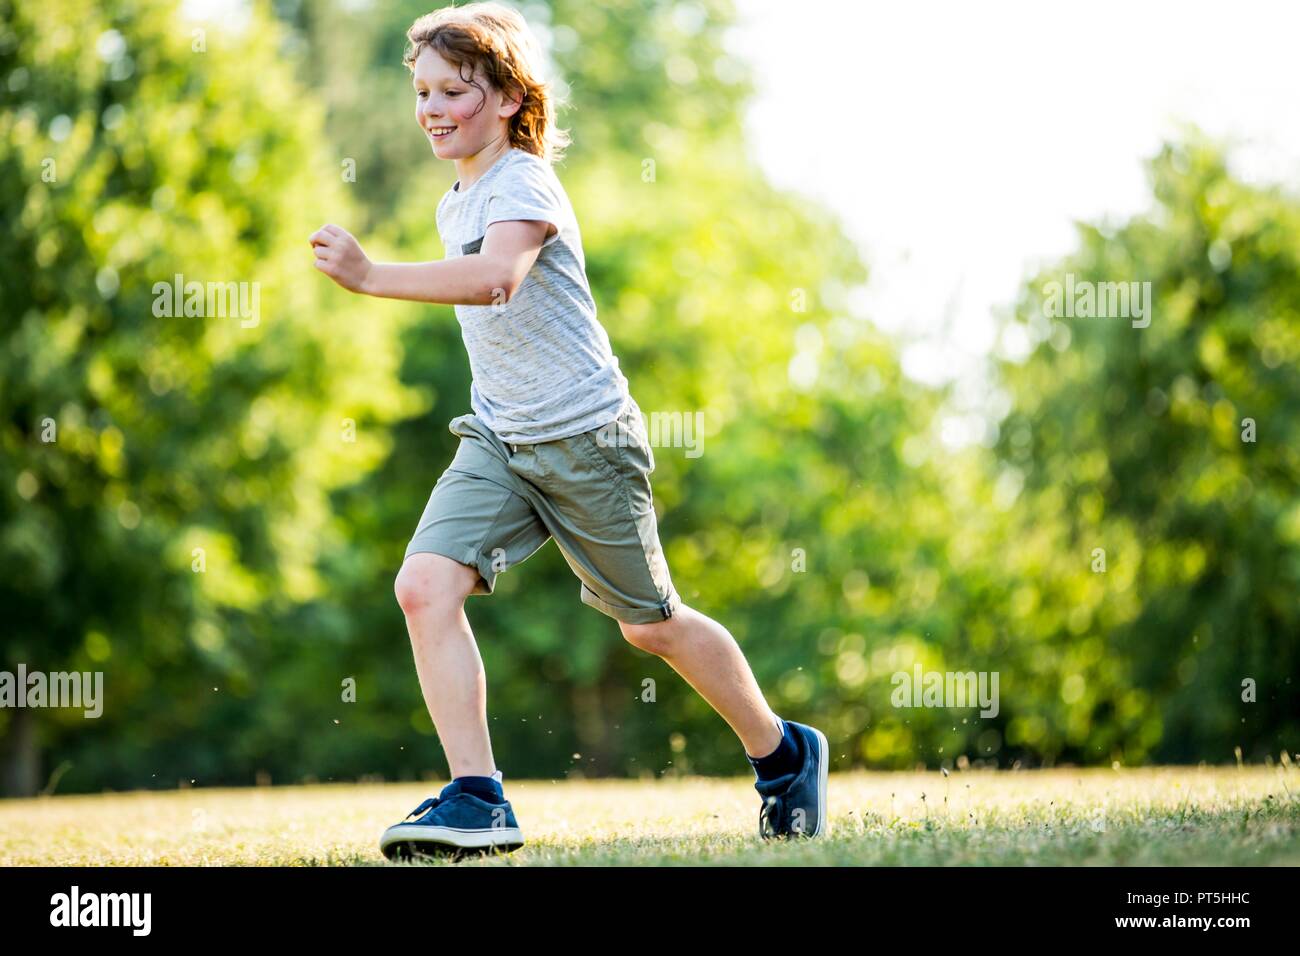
x: 443, y: 100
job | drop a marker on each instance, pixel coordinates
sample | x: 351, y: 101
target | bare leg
x: 431, y: 590
x: 710, y: 660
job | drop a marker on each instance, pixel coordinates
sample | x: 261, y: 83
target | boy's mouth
x: 441, y: 132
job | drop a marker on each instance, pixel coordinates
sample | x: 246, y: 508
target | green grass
x: 1159, y: 816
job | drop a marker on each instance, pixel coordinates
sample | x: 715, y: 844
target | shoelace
x: 770, y: 816
x: 428, y: 804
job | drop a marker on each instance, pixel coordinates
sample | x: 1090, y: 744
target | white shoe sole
x: 413, y: 838
x: 823, y: 768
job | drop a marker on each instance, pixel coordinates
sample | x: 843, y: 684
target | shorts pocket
x: 625, y: 446
x: 625, y: 460
x: 638, y: 443
x: 597, y: 453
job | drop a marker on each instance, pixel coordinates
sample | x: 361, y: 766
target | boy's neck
x: 471, y: 169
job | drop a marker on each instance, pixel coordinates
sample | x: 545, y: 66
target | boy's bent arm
x: 467, y: 280
x: 487, y: 277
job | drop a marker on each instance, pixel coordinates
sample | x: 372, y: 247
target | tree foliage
x: 217, y: 523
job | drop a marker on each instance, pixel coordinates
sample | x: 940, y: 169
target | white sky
x: 958, y: 141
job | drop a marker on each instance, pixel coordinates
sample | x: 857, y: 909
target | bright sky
x: 958, y: 141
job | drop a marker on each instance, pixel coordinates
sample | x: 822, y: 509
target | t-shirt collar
x: 491, y: 170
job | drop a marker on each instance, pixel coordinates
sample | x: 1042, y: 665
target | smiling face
x: 460, y: 120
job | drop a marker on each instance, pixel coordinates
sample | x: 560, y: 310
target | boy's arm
x: 488, y: 277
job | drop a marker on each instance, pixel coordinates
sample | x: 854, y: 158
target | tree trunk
x: 20, y: 757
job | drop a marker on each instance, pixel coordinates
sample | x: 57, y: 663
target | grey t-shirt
x: 541, y: 363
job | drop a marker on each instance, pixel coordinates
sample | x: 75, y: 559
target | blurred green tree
x: 1157, y: 555
x: 165, y: 475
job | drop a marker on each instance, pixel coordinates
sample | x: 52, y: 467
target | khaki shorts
x: 498, y: 503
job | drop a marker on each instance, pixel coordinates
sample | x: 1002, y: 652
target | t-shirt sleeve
x: 525, y: 192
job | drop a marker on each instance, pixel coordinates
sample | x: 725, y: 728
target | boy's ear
x: 514, y: 97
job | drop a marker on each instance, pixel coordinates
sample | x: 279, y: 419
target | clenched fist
x: 339, y: 256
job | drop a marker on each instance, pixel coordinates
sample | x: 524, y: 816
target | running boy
x: 555, y: 447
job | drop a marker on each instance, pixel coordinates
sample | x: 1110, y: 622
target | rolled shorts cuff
x: 634, y: 615
x: 459, y: 553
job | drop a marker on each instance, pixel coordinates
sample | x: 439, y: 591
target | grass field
x: 1160, y: 816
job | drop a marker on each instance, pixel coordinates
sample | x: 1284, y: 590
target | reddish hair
x: 495, y: 38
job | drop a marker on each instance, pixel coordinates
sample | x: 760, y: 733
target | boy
x: 555, y: 446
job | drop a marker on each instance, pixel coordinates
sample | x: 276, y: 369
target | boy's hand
x: 339, y: 256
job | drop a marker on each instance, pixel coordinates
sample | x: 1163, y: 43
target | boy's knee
x: 430, y: 581
x: 655, y: 638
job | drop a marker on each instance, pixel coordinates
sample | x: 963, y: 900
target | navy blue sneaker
x: 795, y: 804
x: 454, y: 823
